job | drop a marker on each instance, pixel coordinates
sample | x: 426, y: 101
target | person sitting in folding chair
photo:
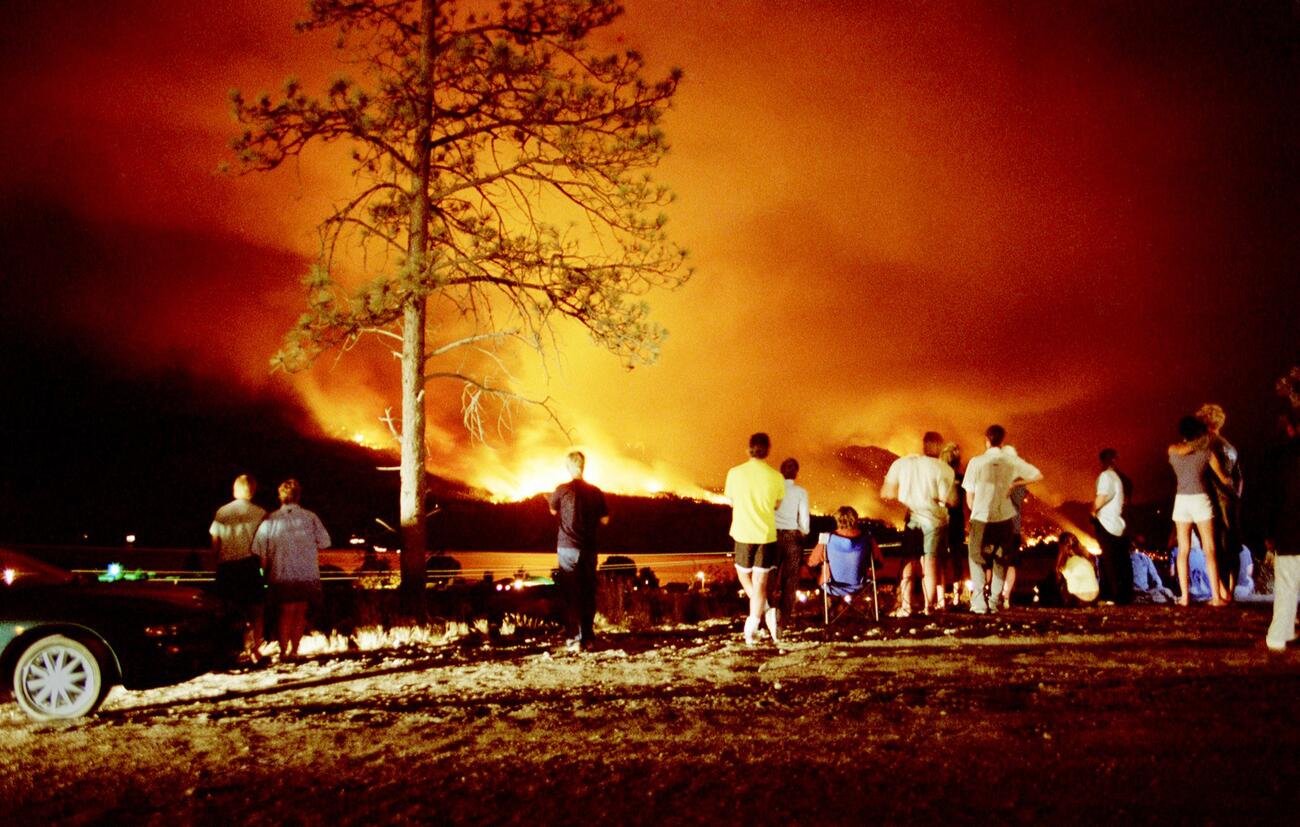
x: 848, y: 560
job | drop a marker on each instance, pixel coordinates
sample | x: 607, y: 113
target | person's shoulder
x: 937, y: 465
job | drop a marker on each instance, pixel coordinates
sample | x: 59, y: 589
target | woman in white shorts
x: 1189, y: 460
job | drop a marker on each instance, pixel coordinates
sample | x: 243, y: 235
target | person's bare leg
x: 929, y: 577
x: 765, y: 611
x: 754, y: 590
x: 284, y: 625
x: 1184, y: 556
x: 905, y: 578
x: 293, y: 621
x: 1206, y: 532
x: 256, y: 632
x: 1008, y: 586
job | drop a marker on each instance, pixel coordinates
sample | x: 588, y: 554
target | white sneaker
x: 770, y: 617
x: 751, y: 630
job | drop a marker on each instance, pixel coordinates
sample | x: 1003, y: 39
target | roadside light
x: 114, y: 571
x: 10, y: 575
x: 130, y: 539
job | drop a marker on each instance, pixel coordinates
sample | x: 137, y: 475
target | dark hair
x: 1108, y: 456
x: 932, y: 443
x: 790, y: 468
x: 759, y: 445
x: 1190, y: 428
x: 995, y: 434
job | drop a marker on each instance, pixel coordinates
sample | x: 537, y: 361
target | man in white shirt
x: 792, y: 525
x: 1108, y: 521
x: 992, y: 542
x: 239, y: 578
x: 927, y: 486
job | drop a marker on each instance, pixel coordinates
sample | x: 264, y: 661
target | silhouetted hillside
x: 94, y: 452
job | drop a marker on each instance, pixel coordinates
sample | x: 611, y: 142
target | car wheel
x: 58, y: 678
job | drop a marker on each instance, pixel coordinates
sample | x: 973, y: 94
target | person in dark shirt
x: 581, y: 509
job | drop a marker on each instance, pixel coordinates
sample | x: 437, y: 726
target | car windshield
x: 17, y: 570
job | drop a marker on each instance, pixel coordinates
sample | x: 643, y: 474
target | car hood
x: 89, y: 599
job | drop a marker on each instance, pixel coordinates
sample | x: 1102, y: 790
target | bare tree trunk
x: 414, y: 481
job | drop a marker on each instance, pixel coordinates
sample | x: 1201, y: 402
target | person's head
x: 932, y: 443
x: 1191, y: 429
x: 951, y: 454
x: 1212, y: 416
x: 994, y: 435
x: 245, y: 486
x: 790, y: 468
x: 290, y: 491
x: 1070, y: 544
x: 846, y: 518
x: 1108, y: 457
x: 759, y: 445
x: 576, y: 463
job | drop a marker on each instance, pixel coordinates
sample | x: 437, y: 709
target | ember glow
x: 903, y: 216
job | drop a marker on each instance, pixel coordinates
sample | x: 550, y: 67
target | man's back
x: 754, y: 489
x: 234, y: 525
x: 580, y: 507
x: 289, y: 538
x: 924, y: 485
x: 989, y: 477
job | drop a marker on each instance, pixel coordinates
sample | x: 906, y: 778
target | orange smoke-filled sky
x: 1078, y: 219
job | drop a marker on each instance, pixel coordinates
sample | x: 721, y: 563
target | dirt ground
x: 1145, y: 714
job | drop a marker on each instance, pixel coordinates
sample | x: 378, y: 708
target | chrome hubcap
x: 58, y: 679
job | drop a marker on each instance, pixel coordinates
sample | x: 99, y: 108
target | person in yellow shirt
x: 754, y: 490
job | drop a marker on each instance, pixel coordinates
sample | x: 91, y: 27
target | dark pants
x: 577, y: 576
x: 1227, y: 535
x: 1116, y: 567
x: 789, y: 543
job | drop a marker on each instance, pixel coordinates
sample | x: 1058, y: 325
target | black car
x: 65, y: 638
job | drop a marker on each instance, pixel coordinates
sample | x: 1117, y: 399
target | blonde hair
x: 845, y: 517
x: 576, y: 462
x: 949, y: 452
x: 245, y: 486
x: 290, y: 491
x: 1212, y: 415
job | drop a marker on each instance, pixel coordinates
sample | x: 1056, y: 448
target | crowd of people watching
x: 957, y: 558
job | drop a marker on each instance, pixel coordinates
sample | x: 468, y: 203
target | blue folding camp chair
x: 849, y: 566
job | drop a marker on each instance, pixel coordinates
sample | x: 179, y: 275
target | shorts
x: 296, y: 592
x: 989, y: 541
x: 920, y: 540
x: 1193, y: 508
x: 241, y: 582
x: 761, y: 556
